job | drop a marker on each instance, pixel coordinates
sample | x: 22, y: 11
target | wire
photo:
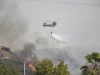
x: 67, y: 3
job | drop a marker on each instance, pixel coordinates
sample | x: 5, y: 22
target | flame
x: 32, y: 67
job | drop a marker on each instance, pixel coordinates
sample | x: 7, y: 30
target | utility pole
x: 24, y: 67
x: 24, y: 64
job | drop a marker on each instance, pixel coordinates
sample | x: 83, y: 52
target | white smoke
x: 73, y: 55
x: 67, y: 38
x: 13, y: 26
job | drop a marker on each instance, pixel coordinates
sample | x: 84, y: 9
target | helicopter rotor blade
x: 40, y: 22
x: 57, y: 19
x: 48, y: 20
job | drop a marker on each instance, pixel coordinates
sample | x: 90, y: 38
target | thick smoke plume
x: 13, y: 29
x: 74, y: 56
x: 27, y: 52
x: 49, y: 47
x: 12, y: 25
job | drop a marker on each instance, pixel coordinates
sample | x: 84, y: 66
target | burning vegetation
x: 8, y: 57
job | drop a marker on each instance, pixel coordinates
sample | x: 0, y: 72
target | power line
x: 66, y: 3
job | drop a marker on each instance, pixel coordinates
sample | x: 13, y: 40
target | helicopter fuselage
x: 49, y: 25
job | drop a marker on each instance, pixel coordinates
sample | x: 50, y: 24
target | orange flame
x: 32, y: 67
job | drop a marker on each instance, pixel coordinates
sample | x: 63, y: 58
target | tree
x: 61, y: 69
x: 4, y: 69
x: 8, y: 69
x: 44, y: 67
x: 13, y: 70
x: 47, y: 67
x: 92, y: 67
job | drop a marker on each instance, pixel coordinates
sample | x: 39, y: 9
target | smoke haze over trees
x: 38, y: 45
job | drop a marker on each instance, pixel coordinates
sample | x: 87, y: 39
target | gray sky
x: 74, y: 18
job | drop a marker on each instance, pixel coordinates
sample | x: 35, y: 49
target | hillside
x: 7, y: 57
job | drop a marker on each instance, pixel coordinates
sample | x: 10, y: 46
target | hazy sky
x: 74, y: 18
x: 80, y: 18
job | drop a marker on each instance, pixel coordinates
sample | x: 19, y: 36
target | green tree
x: 47, y: 67
x: 92, y: 67
x: 44, y: 67
x: 8, y: 69
x: 3, y: 69
x: 61, y: 69
x: 13, y: 70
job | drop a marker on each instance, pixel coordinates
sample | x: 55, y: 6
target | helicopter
x: 53, y: 24
x: 50, y: 25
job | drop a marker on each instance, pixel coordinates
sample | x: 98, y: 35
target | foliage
x: 89, y: 58
x: 92, y: 67
x: 8, y: 69
x: 44, y: 67
x: 61, y: 69
x: 47, y: 67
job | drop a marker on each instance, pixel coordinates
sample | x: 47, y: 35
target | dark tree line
x: 8, y: 69
x: 47, y: 67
